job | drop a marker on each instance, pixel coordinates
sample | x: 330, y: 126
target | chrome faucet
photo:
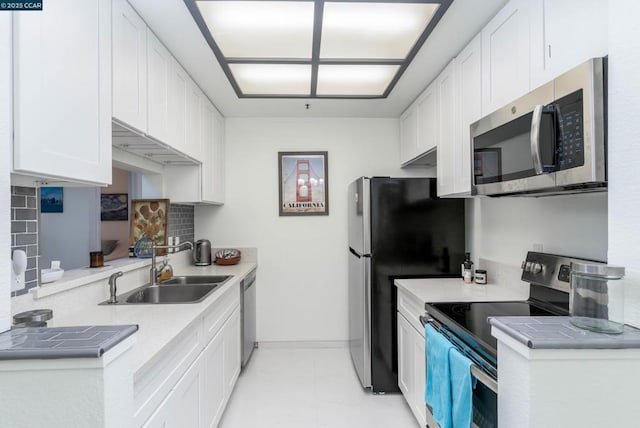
x: 154, y: 272
x: 112, y: 287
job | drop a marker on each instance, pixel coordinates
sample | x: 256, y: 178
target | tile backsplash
x: 181, y: 221
x: 24, y: 231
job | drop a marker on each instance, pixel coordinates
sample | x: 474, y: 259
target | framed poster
x: 303, y: 186
x: 150, y: 217
x: 114, y: 207
x: 51, y: 199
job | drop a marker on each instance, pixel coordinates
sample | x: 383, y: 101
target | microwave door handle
x: 535, y: 138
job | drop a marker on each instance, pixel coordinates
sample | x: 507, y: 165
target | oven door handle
x: 536, y: 121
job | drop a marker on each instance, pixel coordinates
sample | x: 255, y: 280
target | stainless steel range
x: 467, y: 328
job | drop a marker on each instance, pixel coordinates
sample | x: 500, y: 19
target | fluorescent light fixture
x: 315, y: 48
x: 260, y: 29
x: 355, y: 80
x: 273, y: 79
x: 373, y: 30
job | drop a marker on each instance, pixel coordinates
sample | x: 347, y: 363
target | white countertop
x: 159, y: 324
x: 455, y: 290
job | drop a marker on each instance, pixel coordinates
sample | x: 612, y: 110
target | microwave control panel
x: 570, y: 132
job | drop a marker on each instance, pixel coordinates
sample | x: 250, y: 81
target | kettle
x: 202, y: 252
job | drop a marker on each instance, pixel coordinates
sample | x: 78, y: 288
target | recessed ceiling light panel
x: 355, y: 80
x: 260, y: 29
x: 273, y: 79
x: 373, y: 30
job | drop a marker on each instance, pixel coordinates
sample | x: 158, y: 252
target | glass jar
x: 597, y: 297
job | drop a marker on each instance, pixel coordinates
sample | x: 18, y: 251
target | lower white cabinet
x: 199, y: 396
x: 412, y: 365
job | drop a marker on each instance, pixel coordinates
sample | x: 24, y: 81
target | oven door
x: 513, y: 148
x: 485, y: 392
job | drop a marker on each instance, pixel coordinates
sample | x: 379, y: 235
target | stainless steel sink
x: 179, y: 289
x: 197, y: 279
x: 172, y: 293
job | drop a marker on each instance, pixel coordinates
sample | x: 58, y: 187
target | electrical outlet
x: 537, y: 248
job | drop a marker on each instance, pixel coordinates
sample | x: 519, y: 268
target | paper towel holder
x: 18, y: 267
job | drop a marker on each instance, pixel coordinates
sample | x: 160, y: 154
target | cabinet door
x: 468, y: 110
x: 445, y: 86
x: 62, y: 91
x: 428, y: 120
x: 408, y: 135
x: 405, y: 359
x: 505, y: 56
x: 419, y: 376
x: 232, y: 351
x: 129, y: 66
x: 219, y: 156
x: 565, y: 33
x: 214, y: 387
x: 194, y: 121
x: 207, y: 157
x: 187, y: 404
x: 179, y: 82
x: 159, y: 69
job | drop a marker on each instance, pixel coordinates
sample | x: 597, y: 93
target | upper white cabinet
x: 159, y: 65
x: 445, y: 85
x: 454, y: 157
x: 129, y: 66
x: 408, y: 135
x: 195, y: 99
x: 428, y: 120
x: 419, y: 128
x: 505, y: 56
x: 179, y: 83
x: 62, y: 91
x: 564, y: 34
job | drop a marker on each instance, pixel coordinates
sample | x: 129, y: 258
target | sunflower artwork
x: 150, y: 217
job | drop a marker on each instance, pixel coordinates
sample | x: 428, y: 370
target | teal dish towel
x: 438, y: 389
x: 461, y: 389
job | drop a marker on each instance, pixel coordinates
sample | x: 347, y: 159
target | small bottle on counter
x: 176, y: 242
x: 170, y: 243
x: 467, y: 269
x: 481, y: 276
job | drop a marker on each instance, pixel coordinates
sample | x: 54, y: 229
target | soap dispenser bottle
x: 467, y: 269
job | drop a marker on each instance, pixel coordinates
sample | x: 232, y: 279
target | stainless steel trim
x: 484, y: 378
x: 535, y: 139
x: 367, y: 321
x: 366, y: 214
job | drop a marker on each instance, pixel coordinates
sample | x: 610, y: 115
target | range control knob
x: 536, y: 268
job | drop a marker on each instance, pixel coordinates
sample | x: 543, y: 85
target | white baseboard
x: 303, y: 344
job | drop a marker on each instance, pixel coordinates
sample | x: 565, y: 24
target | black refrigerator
x: 398, y: 228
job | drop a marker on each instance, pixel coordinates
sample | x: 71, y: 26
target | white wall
x: 504, y: 229
x: 116, y: 229
x: 302, y: 273
x: 70, y: 236
x: 6, y: 120
x: 624, y: 148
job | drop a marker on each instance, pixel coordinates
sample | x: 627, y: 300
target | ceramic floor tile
x: 309, y: 388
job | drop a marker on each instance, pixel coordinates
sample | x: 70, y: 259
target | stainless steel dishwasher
x: 248, y: 315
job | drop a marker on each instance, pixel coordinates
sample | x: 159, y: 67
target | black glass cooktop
x: 468, y: 321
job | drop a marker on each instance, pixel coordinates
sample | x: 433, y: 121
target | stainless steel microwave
x: 550, y: 141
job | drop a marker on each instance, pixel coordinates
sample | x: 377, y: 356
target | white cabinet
x: 195, y: 99
x: 412, y: 368
x: 201, y: 183
x: 445, y: 85
x: 408, y: 135
x: 565, y: 33
x: 159, y: 69
x: 62, y: 91
x: 412, y: 363
x: 214, y: 392
x: 505, y: 56
x: 129, y: 66
x: 419, y: 128
x: 179, y: 83
x: 454, y: 150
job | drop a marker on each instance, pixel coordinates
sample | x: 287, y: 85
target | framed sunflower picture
x: 150, y: 217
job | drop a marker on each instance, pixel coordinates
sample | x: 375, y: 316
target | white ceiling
x: 172, y: 23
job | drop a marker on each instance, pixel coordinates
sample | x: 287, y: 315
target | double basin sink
x: 179, y: 289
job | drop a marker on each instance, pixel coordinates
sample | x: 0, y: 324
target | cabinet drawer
x: 411, y: 308
x: 220, y: 312
x: 152, y: 386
